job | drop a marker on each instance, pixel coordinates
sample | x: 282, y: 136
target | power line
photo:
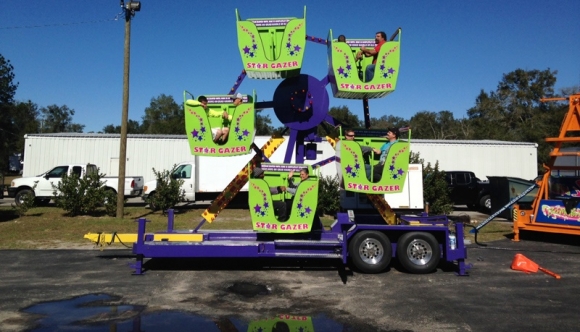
x: 116, y: 18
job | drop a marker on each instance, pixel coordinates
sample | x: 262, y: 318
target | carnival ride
x: 556, y: 207
x: 273, y: 48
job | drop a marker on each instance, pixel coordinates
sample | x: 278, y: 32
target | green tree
x: 163, y: 116
x: 58, y: 119
x: 133, y: 127
x: 513, y: 112
x: 7, y: 85
x: 263, y: 124
x: 8, y: 130
x: 433, y: 125
x: 25, y: 120
x: 387, y: 121
x: 343, y: 116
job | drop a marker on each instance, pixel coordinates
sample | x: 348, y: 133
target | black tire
x: 418, y: 252
x: 370, y: 251
x: 19, y: 198
x: 485, y: 203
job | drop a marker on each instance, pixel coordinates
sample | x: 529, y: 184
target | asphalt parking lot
x: 241, y: 292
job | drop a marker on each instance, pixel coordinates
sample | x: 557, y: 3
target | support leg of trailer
x: 138, y: 266
x: 170, y: 220
x: 462, y: 267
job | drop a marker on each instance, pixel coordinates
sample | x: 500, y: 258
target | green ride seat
x: 198, y: 125
x: 351, y: 163
x: 344, y: 69
x: 272, y: 48
x: 303, y: 204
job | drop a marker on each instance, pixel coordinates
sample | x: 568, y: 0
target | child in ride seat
x: 219, y: 134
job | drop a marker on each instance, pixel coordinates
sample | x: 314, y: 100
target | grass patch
x: 493, y: 231
x: 49, y: 227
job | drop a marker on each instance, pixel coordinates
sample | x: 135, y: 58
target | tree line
x: 512, y: 112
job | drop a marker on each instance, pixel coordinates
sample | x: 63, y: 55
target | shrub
x: 83, y: 195
x: 168, y: 191
x: 436, y: 190
x: 328, y: 195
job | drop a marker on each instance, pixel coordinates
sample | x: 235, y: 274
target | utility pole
x: 129, y: 9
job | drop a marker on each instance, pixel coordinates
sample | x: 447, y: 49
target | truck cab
x: 466, y: 189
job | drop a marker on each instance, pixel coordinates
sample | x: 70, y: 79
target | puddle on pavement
x: 247, y: 289
x: 101, y: 312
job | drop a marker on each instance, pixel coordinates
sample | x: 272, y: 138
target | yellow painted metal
x: 332, y: 141
x: 240, y: 180
x: 383, y: 208
x: 127, y: 238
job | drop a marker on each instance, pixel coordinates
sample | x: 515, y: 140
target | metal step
x: 308, y: 255
x: 312, y: 243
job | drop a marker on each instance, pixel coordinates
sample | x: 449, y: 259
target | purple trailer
x: 419, y: 243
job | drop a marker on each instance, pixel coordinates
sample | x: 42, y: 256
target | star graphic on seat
x: 340, y: 70
x: 255, y: 47
x: 246, y: 132
x: 237, y: 129
x: 194, y: 133
x: 391, y: 70
x: 401, y: 172
x: 357, y: 165
x: 308, y: 209
x: 392, y: 167
x: 297, y: 48
x: 202, y: 129
x: 257, y: 208
x: 266, y: 205
x: 246, y: 50
x: 288, y: 45
x: 299, y: 205
x: 348, y: 169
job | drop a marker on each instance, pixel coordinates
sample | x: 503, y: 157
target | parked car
x: 466, y: 189
x: 43, y: 192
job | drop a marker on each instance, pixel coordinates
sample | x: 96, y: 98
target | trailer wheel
x: 418, y: 252
x: 370, y: 251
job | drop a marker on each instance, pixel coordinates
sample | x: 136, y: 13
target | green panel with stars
x: 354, y: 174
x: 301, y: 206
x: 199, y: 126
x: 272, y: 48
x: 345, y: 71
x: 283, y: 323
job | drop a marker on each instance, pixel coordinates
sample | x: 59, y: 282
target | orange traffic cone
x: 522, y: 263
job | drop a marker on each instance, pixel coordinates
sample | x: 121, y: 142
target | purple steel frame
x: 319, y: 243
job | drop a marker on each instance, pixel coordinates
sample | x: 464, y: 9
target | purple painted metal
x: 290, y: 146
x: 316, y: 40
x: 238, y: 83
x: 319, y: 243
x: 170, y: 220
x: 301, y: 102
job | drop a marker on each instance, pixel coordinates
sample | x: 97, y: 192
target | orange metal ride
x: 555, y: 211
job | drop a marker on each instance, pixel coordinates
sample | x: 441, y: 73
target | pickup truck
x: 466, y: 189
x: 43, y: 192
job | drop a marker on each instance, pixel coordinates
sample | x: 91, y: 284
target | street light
x: 130, y: 8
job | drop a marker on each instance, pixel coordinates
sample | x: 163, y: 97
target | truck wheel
x: 418, y: 252
x: 21, y: 195
x: 370, y: 251
x: 485, y: 203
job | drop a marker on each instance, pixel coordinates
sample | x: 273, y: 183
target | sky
x: 71, y: 52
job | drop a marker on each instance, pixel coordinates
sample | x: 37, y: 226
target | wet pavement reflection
x: 102, y: 312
